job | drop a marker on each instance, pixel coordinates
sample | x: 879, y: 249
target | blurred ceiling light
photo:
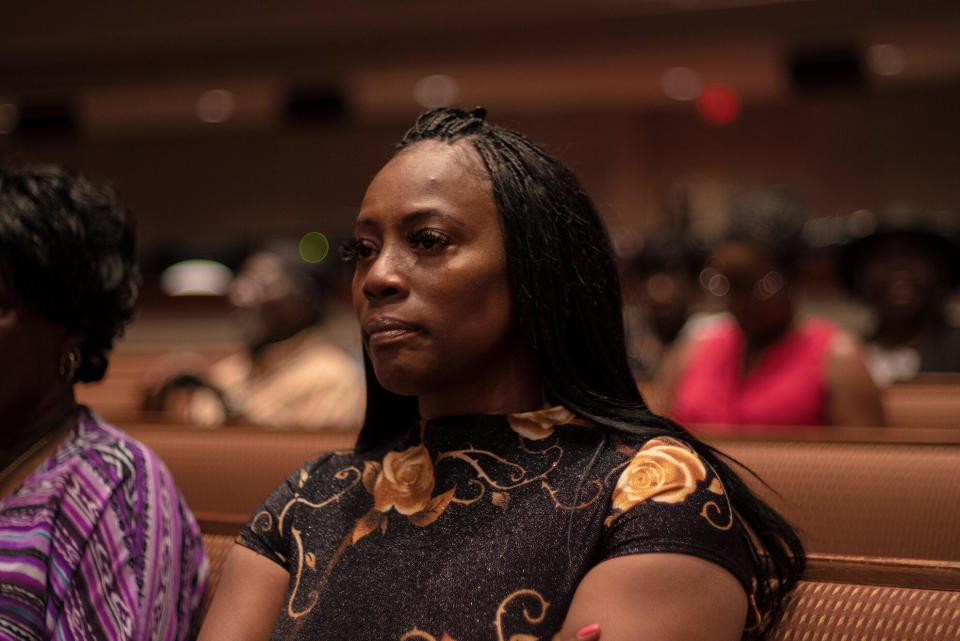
x: 681, y: 83
x: 861, y: 223
x: 436, y: 91
x: 719, y: 104
x: 9, y: 116
x: 215, y: 105
x: 199, y: 277
x: 886, y: 59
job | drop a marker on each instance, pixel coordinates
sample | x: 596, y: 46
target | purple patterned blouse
x: 98, y: 544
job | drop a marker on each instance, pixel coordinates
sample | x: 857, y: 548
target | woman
x: 763, y: 365
x: 509, y: 481
x: 906, y: 271
x: 95, y: 540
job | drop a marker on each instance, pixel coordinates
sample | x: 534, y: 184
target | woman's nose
x: 385, y: 278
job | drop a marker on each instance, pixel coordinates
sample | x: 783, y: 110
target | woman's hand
x: 587, y: 633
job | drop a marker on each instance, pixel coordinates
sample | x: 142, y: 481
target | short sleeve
x: 265, y: 533
x: 668, y: 499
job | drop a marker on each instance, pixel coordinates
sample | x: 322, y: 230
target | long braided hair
x: 559, y: 258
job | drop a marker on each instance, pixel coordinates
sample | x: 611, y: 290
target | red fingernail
x: 588, y: 630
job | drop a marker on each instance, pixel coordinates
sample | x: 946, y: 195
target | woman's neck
x: 512, y: 387
x: 31, y: 422
x: 755, y: 345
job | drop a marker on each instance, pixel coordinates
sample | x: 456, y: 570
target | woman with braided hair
x: 509, y: 482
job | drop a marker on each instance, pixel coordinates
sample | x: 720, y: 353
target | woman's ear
x: 72, y: 341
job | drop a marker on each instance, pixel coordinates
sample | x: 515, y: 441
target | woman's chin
x: 399, y: 381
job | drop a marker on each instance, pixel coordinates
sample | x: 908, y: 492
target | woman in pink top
x: 764, y: 366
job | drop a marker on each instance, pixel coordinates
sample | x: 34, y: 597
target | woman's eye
x: 428, y: 239
x: 356, y: 249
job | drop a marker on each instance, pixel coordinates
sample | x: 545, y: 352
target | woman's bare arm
x: 248, y: 599
x: 852, y: 398
x: 659, y: 597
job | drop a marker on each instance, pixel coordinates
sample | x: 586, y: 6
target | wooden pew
x: 226, y: 473
x: 922, y: 405
x: 899, y: 500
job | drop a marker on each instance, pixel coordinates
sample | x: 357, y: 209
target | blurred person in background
x: 905, y: 270
x: 661, y: 292
x: 95, y: 540
x: 291, y: 374
x: 763, y: 365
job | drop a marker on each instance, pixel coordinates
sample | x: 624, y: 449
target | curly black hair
x: 68, y: 248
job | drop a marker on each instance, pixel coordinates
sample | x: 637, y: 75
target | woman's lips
x: 386, y: 331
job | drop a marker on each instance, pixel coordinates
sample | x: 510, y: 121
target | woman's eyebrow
x: 365, y: 223
x: 412, y: 218
x: 423, y: 214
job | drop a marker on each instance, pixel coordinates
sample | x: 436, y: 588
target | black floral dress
x: 481, y: 527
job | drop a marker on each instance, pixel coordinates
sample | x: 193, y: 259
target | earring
x: 68, y: 365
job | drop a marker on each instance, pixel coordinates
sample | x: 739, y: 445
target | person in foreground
x: 95, y: 540
x: 509, y: 481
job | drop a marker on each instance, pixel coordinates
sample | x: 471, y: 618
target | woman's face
x: 903, y: 277
x: 430, y: 287
x: 752, y: 288
x: 29, y: 356
x: 271, y: 305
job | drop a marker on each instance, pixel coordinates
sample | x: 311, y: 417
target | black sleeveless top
x: 481, y: 527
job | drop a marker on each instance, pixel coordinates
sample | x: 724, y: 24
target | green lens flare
x: 314, y: 247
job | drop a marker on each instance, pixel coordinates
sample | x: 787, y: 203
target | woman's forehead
x: 428, y: 176
x: 435, y: 159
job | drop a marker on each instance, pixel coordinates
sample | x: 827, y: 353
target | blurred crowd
x: 720, y: 332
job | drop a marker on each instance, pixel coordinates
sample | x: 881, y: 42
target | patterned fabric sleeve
x: 141, y: 570
x: 102, y: 600
x: 265, y: 533
x: 668, y: 499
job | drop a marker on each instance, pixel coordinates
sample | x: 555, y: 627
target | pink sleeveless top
x: 785, y: 386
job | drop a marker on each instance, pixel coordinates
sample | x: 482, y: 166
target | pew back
x: 225, y: 474
x: 872, y: 499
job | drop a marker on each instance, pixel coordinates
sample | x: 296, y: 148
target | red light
x: 719, y: 104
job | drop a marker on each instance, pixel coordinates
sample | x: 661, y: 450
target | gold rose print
x: 539, y: 424
x: 532, y: 597
x: 403, y: 482
x: 663, y: 470
x: 426, y: 636
x: 717, y: 488
x: 667, y: 471
x: 501, y: 475
x: 533, y: 619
